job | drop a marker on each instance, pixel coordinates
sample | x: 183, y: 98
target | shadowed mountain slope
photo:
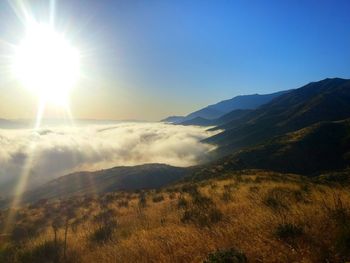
x: 326, y: 100
x: 321, y: 147
x: 231, y: 116
x: 119, y: 178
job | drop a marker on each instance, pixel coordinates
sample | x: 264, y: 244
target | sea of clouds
x: 51, y: 152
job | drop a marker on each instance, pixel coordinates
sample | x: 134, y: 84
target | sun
x: 47, y: 64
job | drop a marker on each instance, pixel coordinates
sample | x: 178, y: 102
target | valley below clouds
x: 51, y: 152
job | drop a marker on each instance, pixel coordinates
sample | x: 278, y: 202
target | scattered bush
x: 200, y: 217
x: 104, y: 233
x: 226, y: 196
x: 106, y: 216
x: 281, y: 197
x: 213, y: 186
x: 190, y: 189
x: 305, y: 188
x: 108, y: 198
x: 342, y: 243
x: 254, y: 189
x: 339, y: 213
x: 158, y: 198
x: 227, y: 193
x: 8, y: 253
x: 289, y: 231
x: 142, y: 200
x: 215, y: 215
x: 123, y: 203
x: 182, y: 202
x: 202, y: 212
x: 48, y: 251
x: 226, y: 256
x: 19, y: 234
x: 258, y: 179
x: 326, y: 237
x: 106, y: 226
x: 238, y: 179
x: 202, y: 201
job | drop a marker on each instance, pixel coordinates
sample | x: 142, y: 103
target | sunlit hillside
x: 246, y: 216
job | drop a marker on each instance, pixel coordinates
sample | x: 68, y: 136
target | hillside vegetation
x: 318, y: 148
x: 243, y: 216
x: 146, y: 176
x: 326, y: 100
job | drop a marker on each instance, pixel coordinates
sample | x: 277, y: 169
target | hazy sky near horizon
x: 150, y: 59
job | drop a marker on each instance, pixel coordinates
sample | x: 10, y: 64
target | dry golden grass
x: 252, y: 208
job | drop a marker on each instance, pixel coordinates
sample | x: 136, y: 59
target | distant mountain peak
x: 217, y: 110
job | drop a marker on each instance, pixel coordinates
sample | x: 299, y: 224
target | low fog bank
x: 55, y: 151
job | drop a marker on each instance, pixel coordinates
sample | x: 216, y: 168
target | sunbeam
x: 49, y: 66
x: 19, y: 189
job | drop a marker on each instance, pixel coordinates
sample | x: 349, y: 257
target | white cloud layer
x: 53, y: 152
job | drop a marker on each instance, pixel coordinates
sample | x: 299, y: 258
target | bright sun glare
x: 47, y: 64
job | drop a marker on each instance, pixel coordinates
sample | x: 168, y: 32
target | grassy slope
x: 326, y: 100
x: 270, y: 217
x: 109, y: 180
x: 318, y: 148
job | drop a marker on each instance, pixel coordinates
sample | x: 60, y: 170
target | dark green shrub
x: 8, y: 253
x: 289, y: 231
x: 107, y: 224
x: 142, y: 200
x: 254, y: 189
x: 215, y: 215
x: 226, y: 256
x: 342, y: 243
x: 339, y: 213
x: 202, y: 201
x: 274, y: 202
x: 227, y: 193
x: 104, y: 233
x: 305, y: 188
x: 182, y: 202
x: 202, y: 217
x: 258, y: 179
x: 281, y: 197
x: 226, y: 196
x: 201, y: 211
x: 48, y: 251
x: 213, y: 186
x: 190, y: 189
x: 123, y: 203
x: 238, y: 178
x: 106, y: 216
x: 158, y: 198
x: 19, y: 234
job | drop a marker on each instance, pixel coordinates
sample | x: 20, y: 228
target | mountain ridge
x: 219, y: 109
x: 325, y: 100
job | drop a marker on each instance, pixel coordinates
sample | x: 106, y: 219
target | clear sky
x: 149, y: 59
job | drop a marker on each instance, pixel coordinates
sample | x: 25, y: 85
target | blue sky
x: 150, y: 59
